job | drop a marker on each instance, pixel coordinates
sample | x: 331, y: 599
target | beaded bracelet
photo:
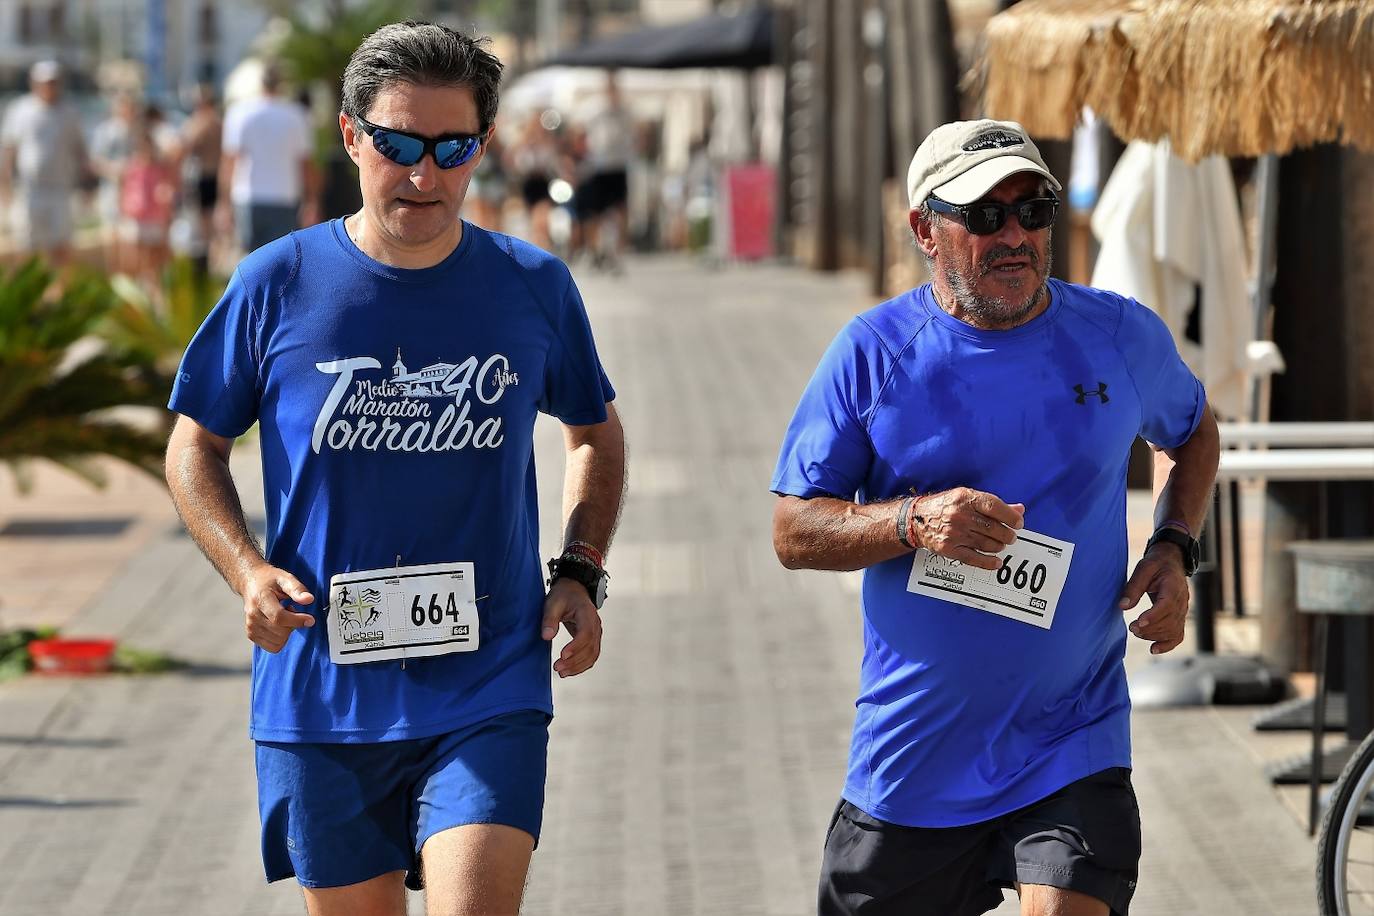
x: 586, y: 551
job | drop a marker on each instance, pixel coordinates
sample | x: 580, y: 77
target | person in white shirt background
x: 43, y: 162
x: 268, y: 181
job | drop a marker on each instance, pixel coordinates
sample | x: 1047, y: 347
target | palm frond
x: 64, y: 439
x: 158, y: 334
x: 59, y: 379
x: 98, y: 383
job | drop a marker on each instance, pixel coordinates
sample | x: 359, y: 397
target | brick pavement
x: 63, y: 518
x: 692, y: 771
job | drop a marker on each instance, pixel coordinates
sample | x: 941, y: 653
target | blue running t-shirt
x: 964, y: 715
x: 396, y: 411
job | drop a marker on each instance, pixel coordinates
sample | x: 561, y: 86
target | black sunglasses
x: 403, y: 148
x: 984, y: 217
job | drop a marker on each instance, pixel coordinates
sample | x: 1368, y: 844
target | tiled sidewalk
x: 61, y: 543
x: 692, y: 771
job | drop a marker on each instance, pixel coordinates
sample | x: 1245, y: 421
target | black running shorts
x: 1085, y: 837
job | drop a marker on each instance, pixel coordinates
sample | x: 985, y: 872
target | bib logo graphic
x: 357, y: 612
x: 945, y: 569
x: 398, y: 414
x: 993, y: 139
x: 1084, y: 394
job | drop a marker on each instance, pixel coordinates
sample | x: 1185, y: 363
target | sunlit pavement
x: 692, y: 770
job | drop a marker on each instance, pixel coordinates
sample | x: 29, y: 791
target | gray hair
x: 422, y: 54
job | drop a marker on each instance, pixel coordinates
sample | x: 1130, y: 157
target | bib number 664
x: 1020, y: 578
x: 434, y: 614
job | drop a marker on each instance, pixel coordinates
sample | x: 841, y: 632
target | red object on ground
x: 72, y: 656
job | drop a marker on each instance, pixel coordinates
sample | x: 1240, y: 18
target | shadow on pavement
x: 30, y: 801
x: 86, y: 743
x: 66, y: 527
x: 198, y: 670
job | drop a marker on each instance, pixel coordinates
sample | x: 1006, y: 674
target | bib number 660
x: 1019, y: 578
x: 435, y: 613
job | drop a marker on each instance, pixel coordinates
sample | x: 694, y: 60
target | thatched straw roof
x: 1235, y: 77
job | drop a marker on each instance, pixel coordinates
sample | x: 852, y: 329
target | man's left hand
x: 1160, y: 575
x: 568, y: 603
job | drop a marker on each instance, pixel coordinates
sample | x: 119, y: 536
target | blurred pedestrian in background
x: 167, y: 137
x: 267, y: 172
x: 575, y: 172
x: 201, y: 138
x: 489, y: 187
x: 111, y: 145
x: 602, y: 199
x: 147, y: 202
x: 43, y: 162
x: 533, y: 161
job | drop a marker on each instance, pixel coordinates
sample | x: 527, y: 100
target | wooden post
x: 846, y: 130
x: 823, y: 253
x: 875, y: 129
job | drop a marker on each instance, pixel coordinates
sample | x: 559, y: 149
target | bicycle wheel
x: 1345, y: 849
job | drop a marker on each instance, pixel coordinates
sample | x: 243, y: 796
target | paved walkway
x: 692, y: 771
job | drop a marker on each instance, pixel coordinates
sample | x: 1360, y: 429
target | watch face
x: 599, y: 595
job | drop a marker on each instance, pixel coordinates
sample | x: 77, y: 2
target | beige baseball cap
x: 961, y: 161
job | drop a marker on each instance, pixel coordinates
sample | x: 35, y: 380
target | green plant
x: 60, y: 383
x: 154, y: 332
x: 14, y: 650
x: 128, y: 660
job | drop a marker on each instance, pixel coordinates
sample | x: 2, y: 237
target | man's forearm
x: 208, y: 503
x: 594, y: 485
x: 1184, y: 477
x: 828, y: 533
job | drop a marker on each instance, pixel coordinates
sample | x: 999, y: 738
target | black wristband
x: 902, y: 526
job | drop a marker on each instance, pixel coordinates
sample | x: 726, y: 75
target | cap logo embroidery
x: 993, y: 139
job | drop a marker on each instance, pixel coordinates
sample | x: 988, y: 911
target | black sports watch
x: 1192, y: 551
x: 592, y: 578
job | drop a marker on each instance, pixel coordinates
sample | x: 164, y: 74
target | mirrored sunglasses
x: 984, y: 217
x: 403, y: 148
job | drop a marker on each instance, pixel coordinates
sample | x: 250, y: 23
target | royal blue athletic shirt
x: 367, y: 456
x: 964, y: 715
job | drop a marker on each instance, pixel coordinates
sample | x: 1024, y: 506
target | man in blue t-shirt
x: 394, y: 362
x: 966, y: 445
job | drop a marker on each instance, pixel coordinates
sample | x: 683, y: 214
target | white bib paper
x: 1025, y: 587
x: 402, y: 612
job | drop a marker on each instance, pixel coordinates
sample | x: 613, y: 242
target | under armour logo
x: 1101, y: 392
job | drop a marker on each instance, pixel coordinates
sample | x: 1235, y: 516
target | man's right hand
x: 967, y: 525
x: 267, y: 620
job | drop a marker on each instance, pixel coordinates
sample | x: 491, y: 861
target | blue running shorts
x: 337, y: 814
